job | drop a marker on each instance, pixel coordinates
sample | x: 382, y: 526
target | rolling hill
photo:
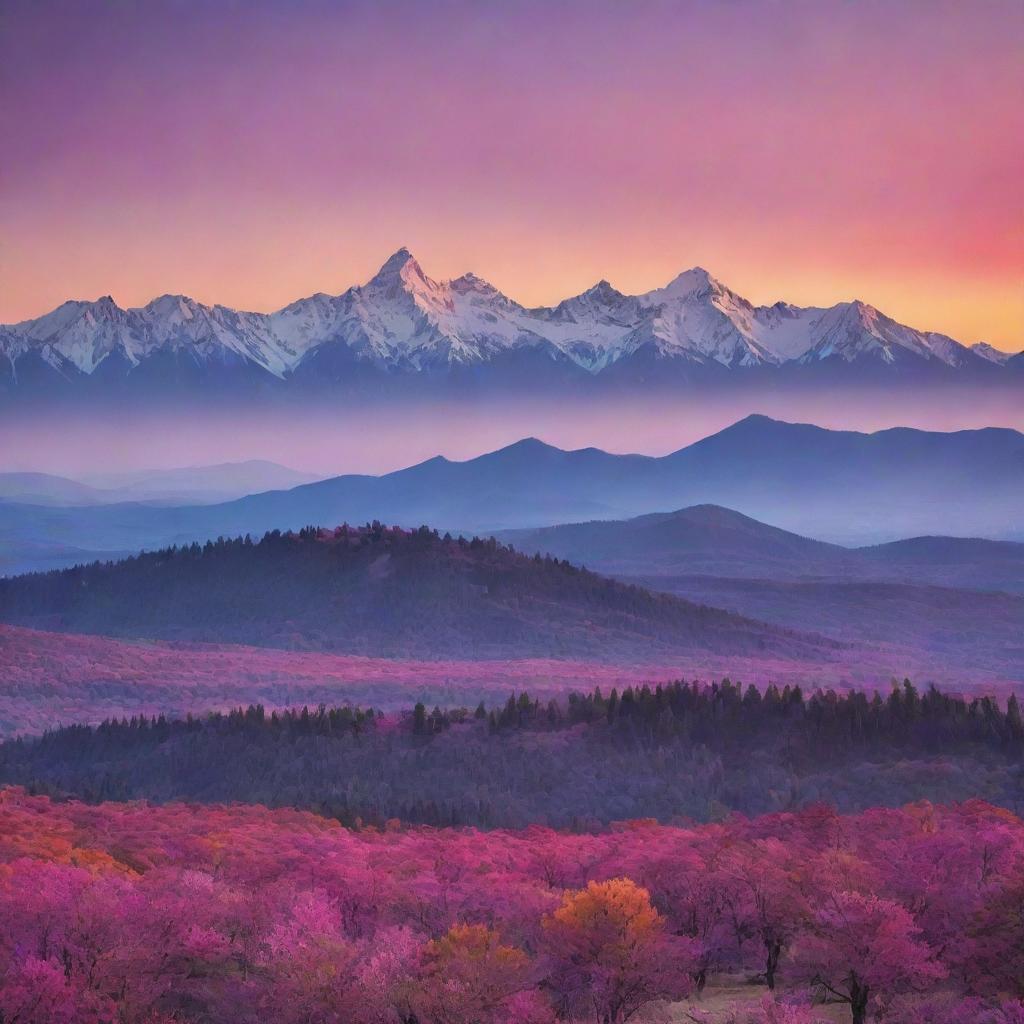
x: 184, y: 486
x: 949, y: 561
x: 46, y: 489
x: 945, y: 599
x: 702, y: 539
x: 970, y: 632
x: 383, y: 592
x: 708, y: 540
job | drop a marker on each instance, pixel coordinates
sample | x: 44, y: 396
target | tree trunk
x: 859, y: 1002
x: 771, y: 963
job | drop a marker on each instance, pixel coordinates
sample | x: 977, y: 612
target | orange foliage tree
x: 469, y: 977
x: 611, y: 954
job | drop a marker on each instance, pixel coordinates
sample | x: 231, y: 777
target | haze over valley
x: 511, y: 513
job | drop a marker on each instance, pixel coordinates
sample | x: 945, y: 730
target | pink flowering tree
x: 862, y: 948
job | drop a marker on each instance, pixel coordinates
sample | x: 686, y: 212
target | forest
x: 673, y: 752
x: 384, y: 592
x: 136, y: 914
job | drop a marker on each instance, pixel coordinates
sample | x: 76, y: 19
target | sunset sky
x: 252, y: 153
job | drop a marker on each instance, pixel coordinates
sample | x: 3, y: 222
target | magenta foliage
x: 145, y: 914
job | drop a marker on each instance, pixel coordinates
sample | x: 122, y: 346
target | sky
x: 252, y: 153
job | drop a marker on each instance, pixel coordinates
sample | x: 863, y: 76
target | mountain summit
x: 403, y: 322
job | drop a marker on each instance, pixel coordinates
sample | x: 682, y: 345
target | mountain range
x: 403, y: 328
x: 839, y: 486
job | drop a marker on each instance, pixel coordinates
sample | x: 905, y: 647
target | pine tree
x: 419, y: 720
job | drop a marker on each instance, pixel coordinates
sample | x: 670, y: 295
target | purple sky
x: 251, y: 153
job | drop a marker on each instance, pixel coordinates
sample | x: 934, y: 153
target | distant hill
x: 192, y: 485
x: 952, y: 561
x: 854, y: 488
x: 958, y: 602
x: 834, y: 485
x: 948, y: 600
x: 221, y: 482
x: 16, y: 559
x: 967, y: 631
x: 382, y: 592
x: 46, y: 489
x: 702, y: 539
x: 708, y: 540
x: 838, y: 485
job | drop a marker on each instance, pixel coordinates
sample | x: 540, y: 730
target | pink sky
x: 251, y: 153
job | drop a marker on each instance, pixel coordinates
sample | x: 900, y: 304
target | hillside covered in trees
x: 668, y: 752
x: 380, y: 591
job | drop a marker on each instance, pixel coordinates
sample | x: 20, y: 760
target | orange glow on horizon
x: 841, y: 151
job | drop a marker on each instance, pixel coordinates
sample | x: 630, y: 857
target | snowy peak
x: 400, y: 268
x: 397, y: 260
x: 104, y: 308
x: 993, y: 355
x: 68, y: 314
x: 595, y: 328
x: 603, y: 294
x: 599, y: 300
x: 471, y: 284
x: 400, y: 281
x: 168, y: 307
x: 404, y: 320
x: 855, y: 331
x: 700, y: 318
x: 401, y: 319
x: 79, y: 336
x: 689, y: 283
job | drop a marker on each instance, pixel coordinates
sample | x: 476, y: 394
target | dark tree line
x: 727, y: 716
x: 670, y: 752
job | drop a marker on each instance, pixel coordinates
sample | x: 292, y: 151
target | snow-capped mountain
x: 995, y: 355
x: 404, y: 322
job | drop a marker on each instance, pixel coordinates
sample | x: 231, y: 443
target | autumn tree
x: 610, y: 952
x: 469, y: 976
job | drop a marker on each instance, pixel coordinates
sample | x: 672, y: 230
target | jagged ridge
x: 403, y: 320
